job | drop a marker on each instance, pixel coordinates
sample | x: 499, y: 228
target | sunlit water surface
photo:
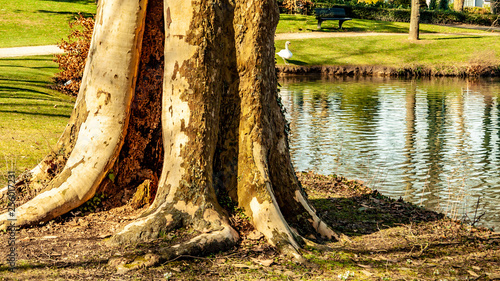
x: 434, y: 142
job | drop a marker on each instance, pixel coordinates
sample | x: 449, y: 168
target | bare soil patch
x: 381, y: 239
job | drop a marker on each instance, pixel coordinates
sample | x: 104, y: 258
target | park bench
x: 323, y: 14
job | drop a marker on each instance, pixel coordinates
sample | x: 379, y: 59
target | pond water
x: 433, y: 142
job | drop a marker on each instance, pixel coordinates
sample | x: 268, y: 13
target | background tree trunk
x: 458, y: 5
x: 206, y: 126
x: 414, y: 20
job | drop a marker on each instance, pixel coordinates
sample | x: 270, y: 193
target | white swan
x: 285, y: 54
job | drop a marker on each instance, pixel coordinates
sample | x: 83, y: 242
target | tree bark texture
x: 414, y: 20
x: 458, y: 5
x: 202, y: 123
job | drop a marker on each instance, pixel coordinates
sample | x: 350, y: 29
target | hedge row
x: 426, y: 16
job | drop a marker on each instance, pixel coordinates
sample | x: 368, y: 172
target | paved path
x: 30, y: 51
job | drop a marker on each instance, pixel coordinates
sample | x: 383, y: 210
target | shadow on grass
x: 374, y: 26
x: 329, y: 29
x: 369, y: 213
x: 30, y: 58
x: 351, y: 208
x: 35, y: 113
x: 287, y: 17
x: 13, y: 90
x: 16, y: 81
x: 297, y: 62
x: 35, y: 104
x: 84, y: 2
x: 84, y: 14
x: 454, y: 38
x: 38, y: 99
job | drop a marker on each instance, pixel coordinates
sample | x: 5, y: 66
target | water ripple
x: 434, y: 142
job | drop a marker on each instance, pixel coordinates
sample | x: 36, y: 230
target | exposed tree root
x: 106, y: 94
x: 201, y: 245
x: 214, y: 234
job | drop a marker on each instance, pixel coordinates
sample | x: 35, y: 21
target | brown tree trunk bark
x: 458, y: 5
x: 206, y: 124
x: 414, y: 20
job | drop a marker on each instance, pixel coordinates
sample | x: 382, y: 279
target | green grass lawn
x: 386, y: 50
x: 39, y: 22
x: 302, y: 23
x: 32, y: 116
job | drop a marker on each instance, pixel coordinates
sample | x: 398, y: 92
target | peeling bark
x: 206, y: 124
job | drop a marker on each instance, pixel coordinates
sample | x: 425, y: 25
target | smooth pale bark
x: 414, y: 20
x: 107, y: 90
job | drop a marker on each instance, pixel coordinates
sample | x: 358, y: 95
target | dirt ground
x: 380, y: 239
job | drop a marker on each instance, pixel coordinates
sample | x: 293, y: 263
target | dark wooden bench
x: 323, y: 14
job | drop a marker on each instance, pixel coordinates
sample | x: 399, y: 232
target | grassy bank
x: 441, y: 48
x: 38, y: 22
x: 32, y: 116
x: 436, y: 51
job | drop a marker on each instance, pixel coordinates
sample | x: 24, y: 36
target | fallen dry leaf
x: 176, y: 269
x: 263, y: 262
x: 363, y: 266
x: 367, y: 273
x: 240, y: 265
x: 472, y: 273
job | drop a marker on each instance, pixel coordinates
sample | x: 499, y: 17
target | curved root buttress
x: 222, y: 129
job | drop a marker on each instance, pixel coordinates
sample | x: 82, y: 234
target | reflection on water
x: 433, y: 142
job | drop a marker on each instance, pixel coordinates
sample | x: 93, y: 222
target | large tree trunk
x: 206, y: 115
x: 101, y: 113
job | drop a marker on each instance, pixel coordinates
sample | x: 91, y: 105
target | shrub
x: 433, y: 5
x: 478, y: 10
x: 304, y: 7
x: 371, y: 1
x: 443, y: 5
x: 72, y: 62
